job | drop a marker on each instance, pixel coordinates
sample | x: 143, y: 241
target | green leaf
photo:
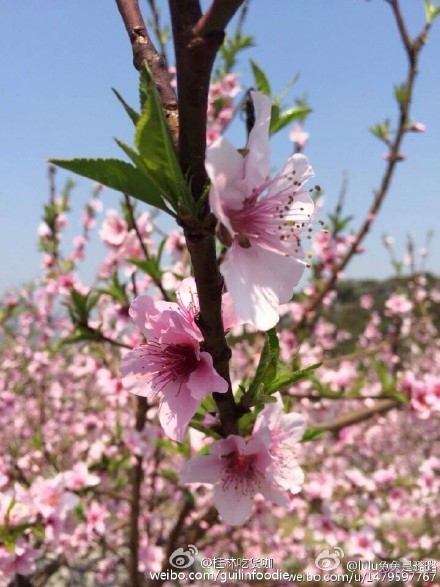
x: 82, y: 334
x: 266, y: 370
x: 312, y: 434
x: 261, y: 81
x: 118, y: 175
x: 386, y: 380
x: 155, y: 145
x: 149, y: 266
x: 279, y: 121
x: 129, y: 110
x: 401, y: 93
x: 431, y: 11
x: 287, y: 379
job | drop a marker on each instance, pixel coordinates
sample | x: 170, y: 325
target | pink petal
x: 298, y: 165
x: 273, y: 494
x: 224, y: 166
x: 175, y: 412
x: 132, y: 373
x: 201, y: 469
x: 257, y: 161
x: 233, y: 505
x: 258, y: 281
x: 205, y: 379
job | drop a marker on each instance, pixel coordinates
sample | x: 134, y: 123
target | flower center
x: 166, y: 363
x: 273, y: 221
x: 241, y: 471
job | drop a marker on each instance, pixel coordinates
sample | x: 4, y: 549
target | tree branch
x: 145, y: 51
x: 195, y: 55
x: 357, y: 416
x: 216, y: 17
x: 137, y: 476
x: 412, y: 50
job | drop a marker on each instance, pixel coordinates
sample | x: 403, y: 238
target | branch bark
x: 197, y: 39
x: 357, y: 416
x: 144, y: 51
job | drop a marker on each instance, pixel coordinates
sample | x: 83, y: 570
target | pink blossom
x: 299, y: 136
x: 265, y: 259
x: 398, y: 304
x: 51, y: 497
x: 266, y: 465
x: 79, y: 477
x: 114, y: 229
x: 171, y: 362
x: 96, y: 517
x: 417, y: 127
x: 286, y: 431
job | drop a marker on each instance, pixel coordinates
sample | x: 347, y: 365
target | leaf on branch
x: 129, y: 110
x: 431, y: 11
x: 260, y: 79
x: 312, y: 434
x: 118, y: 175
x: 279, y: 119
x: 266, y: 370
x: 155, y: 145
x: 286, y: 379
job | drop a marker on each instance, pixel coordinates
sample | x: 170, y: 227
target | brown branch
x: 158, y: 30
x: 357, y: 416
x: 216, y: 17
x: 136, y: 482
x: 134, y: 226
x: 412, y: 50
x: 145, y: 51
x: 195, y: 55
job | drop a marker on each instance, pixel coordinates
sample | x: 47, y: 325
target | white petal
x: 175, y: 412
x: 258, y: 280
x: 224, y: 166
x: 201, y: 469
x: 257, y: 161
x: 233, y: 505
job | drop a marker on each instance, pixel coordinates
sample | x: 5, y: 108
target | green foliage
x: 432, y: 10
x: 230, y: 50
x: 117, y: 175
x: 401, y: 93
x: 382, y: 131
x: 282, y: 118
x: 272, y: 375
x: 156, y: 177
x: 312, y: 434
x: 260, y: 79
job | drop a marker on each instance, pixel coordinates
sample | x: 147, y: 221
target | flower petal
x: 258, y: 281
x: 175, y: 412
x: 224, y: 166
x: 132, y: 370
x: 201, y: 469
x: 257, y: 161
x: 233, y: 505
x: 205, y: 379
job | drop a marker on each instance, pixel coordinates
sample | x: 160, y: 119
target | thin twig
x: 412, y: 50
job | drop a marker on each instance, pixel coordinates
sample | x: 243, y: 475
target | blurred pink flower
x: 299, y: 136
x: 262, y: 220
x: 114, y: 229
x: 398, y: 304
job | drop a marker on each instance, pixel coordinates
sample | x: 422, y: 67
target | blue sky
x: 60, y: 59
